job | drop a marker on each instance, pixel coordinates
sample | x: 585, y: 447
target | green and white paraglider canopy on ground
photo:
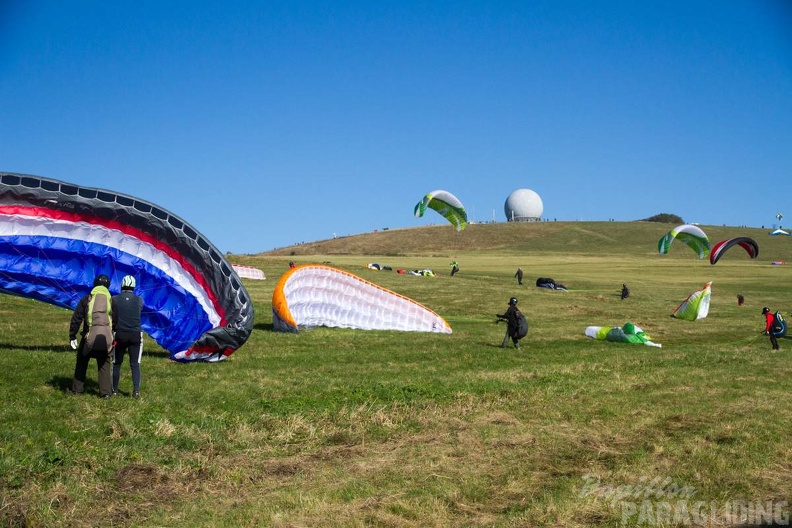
x: 629, y: 333
x: 696, y: 306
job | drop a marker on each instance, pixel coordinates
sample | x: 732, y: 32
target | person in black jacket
x: 93, y: 313
x: 128, y: 333
x: 516, y: 324
x: 625, y: 292
x: 519, y: 276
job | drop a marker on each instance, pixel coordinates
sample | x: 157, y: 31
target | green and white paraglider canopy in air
x: 447, y: 205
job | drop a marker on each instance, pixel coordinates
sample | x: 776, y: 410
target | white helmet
x: 128, y: 282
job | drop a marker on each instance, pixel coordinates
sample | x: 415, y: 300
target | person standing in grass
x: 625, y: 292
x: 454, y: 268
x: 128, y: 333
x: 516, y: 324
x: 93, y: 313
x: 770, y: 326
x: 519, y: 276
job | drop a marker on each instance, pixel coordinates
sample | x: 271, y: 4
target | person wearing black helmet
x: 516, y: 324
x: 128, y: 333
x: 93, y: 313
x: 770, y: 326
x: 625, y: 292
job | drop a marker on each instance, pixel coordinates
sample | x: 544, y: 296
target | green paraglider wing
x: 691, y: 235
x: 447, y: 205
x: 628, y: 333
x: 696, y: 306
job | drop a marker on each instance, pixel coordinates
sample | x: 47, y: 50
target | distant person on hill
x: 740, y: 300
x: 291, y: 265
x: 128, y: 333
x: 519, y: 276
x: 454, y: 268
x: 625, y: 292
x: 516, y: 324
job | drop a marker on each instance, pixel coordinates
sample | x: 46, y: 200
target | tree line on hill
x: 664, y: 218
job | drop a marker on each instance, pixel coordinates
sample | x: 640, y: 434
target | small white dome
x: 523, y: 205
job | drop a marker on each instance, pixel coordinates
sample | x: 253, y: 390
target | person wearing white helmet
x: 517, y: 325
x: 128, y: 334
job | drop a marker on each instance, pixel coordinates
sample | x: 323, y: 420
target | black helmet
x: 102, y: 280
x: 765, y: 310
x: 512, y: 301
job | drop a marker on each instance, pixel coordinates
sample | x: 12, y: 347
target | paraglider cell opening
x: 11, y: 180
x: 33, y: 183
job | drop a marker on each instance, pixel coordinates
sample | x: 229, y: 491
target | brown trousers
x: 104, y: 366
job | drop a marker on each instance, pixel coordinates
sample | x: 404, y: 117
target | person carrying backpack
x: 516, y: 324
x: 93, y: 313
x: 774, y: 326
x: 625, y: 292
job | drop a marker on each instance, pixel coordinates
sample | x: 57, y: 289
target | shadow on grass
x: 62, y: 383
x: 499, y: 347
x: 36, y: 348
x: 156, y: 353
x: 67, y: 349
x: 264, y: 327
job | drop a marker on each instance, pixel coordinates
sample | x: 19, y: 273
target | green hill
x: 594, y: 238
x: 339, y: 427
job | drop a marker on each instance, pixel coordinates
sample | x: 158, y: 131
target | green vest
x: 99, y: 290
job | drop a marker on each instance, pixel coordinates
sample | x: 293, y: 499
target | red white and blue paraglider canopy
x: 55, y: 237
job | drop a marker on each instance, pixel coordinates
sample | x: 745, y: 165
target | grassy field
x: 344, y: 428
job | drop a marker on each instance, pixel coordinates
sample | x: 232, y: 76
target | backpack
x: 522, y: 325
x: 100, y: 333
x: 779, y: 327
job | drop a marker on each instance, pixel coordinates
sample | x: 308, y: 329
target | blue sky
x: 267, y: 123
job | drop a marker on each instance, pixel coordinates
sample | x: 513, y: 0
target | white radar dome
x: 523, y: 205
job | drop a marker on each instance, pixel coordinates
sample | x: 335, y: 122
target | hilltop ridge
x: 594, y: 237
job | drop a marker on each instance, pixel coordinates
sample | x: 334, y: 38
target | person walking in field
x: 93, y: 313
x: 454, y: 268
x: 772, y: 326
x: 128, y: 333
x: 519, y: 276
x: 516, y: 324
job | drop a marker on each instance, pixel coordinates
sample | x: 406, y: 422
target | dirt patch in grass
x: 144, y: 478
